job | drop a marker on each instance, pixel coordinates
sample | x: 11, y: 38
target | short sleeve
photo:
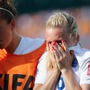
x: 85, y: 72
x: 41, y: 74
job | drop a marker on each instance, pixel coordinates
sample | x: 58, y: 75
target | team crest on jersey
x: 60, y: 85
x: 88, y: 68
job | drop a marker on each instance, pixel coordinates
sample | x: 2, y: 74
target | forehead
x: 56, y: 34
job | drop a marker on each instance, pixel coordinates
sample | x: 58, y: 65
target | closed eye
x: 58, y: 41
x: 49, y: 42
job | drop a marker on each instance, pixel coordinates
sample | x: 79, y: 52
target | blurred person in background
x: 65, y: 65
x: 18, y: 55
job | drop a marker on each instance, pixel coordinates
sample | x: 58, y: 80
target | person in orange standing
x: 18, y: 55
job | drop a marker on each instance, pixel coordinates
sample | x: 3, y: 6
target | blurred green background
x: 30, y: 6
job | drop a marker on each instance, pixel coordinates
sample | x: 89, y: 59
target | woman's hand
x: 63, y: 56
x: 51, y: 50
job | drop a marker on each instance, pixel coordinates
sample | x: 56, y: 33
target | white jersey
x: 27, y: 45
x: 80, y: 67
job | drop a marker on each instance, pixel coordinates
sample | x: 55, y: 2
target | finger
x: 64, y: 45
x: 51, y: 51
x: 57, y: 61
x: 60, y: 50
x: 58, y: 56
x: 52, y: 57
x: 53, y: 45
x: 72, y: 53
x: 50, y: 47
x: 58, y: 53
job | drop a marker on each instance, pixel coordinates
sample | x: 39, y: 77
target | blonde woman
x: 65, y: 65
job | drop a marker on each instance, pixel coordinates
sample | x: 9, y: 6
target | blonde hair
x: 63, y: 20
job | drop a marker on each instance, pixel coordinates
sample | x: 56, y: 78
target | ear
x: 77, y: 38
x: 13, y: 24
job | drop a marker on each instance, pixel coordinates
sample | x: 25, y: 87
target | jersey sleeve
x: 85, y: 72
x: 41, y: 74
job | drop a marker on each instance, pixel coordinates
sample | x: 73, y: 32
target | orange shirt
x: 17, y: 72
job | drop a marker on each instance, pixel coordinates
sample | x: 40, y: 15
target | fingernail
x: 62, y: 41
x: 54, y: 43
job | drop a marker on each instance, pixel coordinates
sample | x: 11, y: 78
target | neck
x: 14, y: 43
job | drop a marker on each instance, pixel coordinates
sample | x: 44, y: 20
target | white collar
x: 77, y: 49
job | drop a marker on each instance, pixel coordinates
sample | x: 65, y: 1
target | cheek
x: 7, y: 34
x: 70, y: 42
x: 7, y: 38
x: 47, y: 46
